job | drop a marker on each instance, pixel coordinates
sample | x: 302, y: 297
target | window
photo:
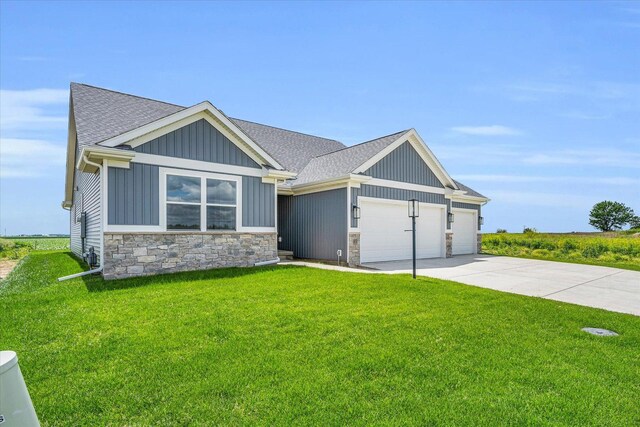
x: 221, y: 204
x: 200, y: 203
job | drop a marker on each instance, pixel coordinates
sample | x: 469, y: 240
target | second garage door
x: 383, y: 236
x: 464, y: 232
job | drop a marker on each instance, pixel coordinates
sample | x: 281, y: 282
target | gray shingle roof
x: 345, y: 161
x: 293, y: 150
x: 102, y: 114
x: 470, y: 191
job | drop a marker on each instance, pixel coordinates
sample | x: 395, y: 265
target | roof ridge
x: 128, y: 94
x: 286, y: 130
x: 365, y: 142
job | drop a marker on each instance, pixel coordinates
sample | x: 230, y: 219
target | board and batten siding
x: 461, y: 205
x: 393, y: 194
x: 86, y: 199
x: 258, y: 203
x: 198, y: 141
x: 404, y: 164
x: 314, y: 225
x: 134, y: 197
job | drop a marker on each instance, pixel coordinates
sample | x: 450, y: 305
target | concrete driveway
x: 601, y: 287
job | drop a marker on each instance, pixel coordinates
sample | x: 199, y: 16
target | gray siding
x: 469, y: 206
x: 86, y: 199
x: 134, y: 198
x: 198, y: 141
x: 404, y: 164
x: 393, y: 194
x: 314, y: 225
x: 134, y: 195
x: 258, y: 203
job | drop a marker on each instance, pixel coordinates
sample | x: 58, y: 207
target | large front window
x: 200, y: 203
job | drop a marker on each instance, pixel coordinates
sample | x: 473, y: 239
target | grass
x: 620, y: 250
x: 18, y: 247
x: 294, y: 345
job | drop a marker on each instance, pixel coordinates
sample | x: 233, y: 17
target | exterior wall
x: 86, y: 199
x: 258, y: 203
x: 404, y: 164
x: 143, y: 254
x: 393, y: 194
x: 354, y: 249
x: 198, y: 141
x: 469, y: 206
x: 134, y: 197
x: 314, y: 225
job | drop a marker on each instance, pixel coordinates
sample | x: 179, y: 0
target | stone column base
x: 449, y: 244
x: 354, y: 249
x: 144, y: 254
x: 479, y: 243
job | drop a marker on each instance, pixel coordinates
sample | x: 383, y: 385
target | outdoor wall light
x: 355, y: 210
x: 414, y: 208
x: 450, y: 217
x: 481, y: 220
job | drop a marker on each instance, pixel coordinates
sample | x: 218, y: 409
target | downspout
x: 99, y: 269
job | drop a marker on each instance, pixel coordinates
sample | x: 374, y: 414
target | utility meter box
x: 16, y: 409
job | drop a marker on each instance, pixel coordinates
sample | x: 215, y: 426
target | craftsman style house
x: 154, y: 187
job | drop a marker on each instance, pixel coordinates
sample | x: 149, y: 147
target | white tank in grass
x: 16, y: 409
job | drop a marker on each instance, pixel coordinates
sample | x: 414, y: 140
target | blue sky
x: 536, y: 105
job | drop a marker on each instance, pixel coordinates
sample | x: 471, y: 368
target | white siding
x: 86, y: 199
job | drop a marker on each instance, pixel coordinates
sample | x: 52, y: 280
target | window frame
x: 203, y: 176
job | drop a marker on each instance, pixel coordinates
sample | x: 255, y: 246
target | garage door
x: 383, y: 236
x: 464, y: 232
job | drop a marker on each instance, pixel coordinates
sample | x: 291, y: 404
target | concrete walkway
x: 601, y: 287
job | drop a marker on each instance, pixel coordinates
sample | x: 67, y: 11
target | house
x: 154, y: 187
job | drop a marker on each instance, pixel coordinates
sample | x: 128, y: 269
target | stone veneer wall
x: 449, y: 244
x: 354, y: 249
x: 143, y: 254
x: 479, y: 243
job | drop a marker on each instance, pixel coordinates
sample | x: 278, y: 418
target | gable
x: 404, y: 164
x: 198, y: 141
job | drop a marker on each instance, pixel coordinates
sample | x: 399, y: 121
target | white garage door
x: 383, y: 236
x: 464, y: 232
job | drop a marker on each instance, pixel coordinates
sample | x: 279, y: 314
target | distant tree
x: 529, y: 230
x: 634, y: 222
x: 608, y: 216
x: 501, y: 230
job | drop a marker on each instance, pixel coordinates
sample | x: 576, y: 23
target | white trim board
x: 404, y: 186
x: 196, y: 165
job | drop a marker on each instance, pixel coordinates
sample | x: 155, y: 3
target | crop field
x: 621, y: 250
x: 18, y: 247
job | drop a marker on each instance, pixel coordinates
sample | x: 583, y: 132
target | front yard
x: 292, y: 345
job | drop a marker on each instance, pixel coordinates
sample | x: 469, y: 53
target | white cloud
x: 609, y: 157
x: 25, y: 109
x: 491, y: 130
x: 29, y: 157
x: 615, y: 180
x: 30, y: 122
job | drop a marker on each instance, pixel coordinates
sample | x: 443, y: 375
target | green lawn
x: 293, y: 345
x: 614, y: 249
